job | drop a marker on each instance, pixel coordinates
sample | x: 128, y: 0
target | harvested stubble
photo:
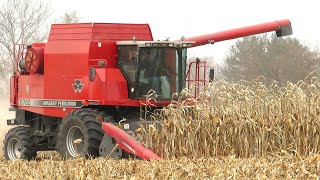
x: 281, y: 166
x: 245, y: 119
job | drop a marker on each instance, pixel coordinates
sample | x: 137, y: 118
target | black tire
x: 18, y: 144
x: 80, y: 124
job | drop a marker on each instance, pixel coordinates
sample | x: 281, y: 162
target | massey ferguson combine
x: 68, y: 92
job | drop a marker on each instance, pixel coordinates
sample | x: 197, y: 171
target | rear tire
x: 18, y: 144
x: 80, y: 134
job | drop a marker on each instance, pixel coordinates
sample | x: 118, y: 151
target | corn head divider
x: 128, y: 143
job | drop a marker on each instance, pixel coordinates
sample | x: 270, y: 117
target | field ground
x: 277, y: 166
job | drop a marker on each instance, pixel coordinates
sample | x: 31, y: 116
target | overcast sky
x: 173, y: 18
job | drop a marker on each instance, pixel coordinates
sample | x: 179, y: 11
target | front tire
x: 18, y: 144
x: 80, y: 134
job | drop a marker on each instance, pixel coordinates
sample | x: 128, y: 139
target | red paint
x: 13, y: 90
x: 99, y: 32
x: 128, y: 143
x: 239, y: 32
x: 197, y: 82
x: 34, y: 60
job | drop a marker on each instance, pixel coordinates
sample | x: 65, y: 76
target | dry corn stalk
x: 276, y: 166
x: 246, y: 119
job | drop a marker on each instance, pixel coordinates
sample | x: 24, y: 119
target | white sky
x: 173, y: 18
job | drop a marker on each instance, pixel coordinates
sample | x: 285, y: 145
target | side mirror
x: 211, y: 75
x: 92, y: 74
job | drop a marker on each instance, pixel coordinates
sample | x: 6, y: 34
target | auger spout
x: 282, y: 28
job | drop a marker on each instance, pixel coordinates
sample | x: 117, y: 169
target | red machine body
x: 56, y: 79
x: 70, y: 51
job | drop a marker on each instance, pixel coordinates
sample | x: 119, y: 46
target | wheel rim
x: 14, y: 149
x: 74, y: 134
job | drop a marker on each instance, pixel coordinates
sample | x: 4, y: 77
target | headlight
x: 189, y: 44
x: 155, y: 44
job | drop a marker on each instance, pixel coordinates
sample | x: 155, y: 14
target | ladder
x: 196, y: 76
x: 20, y: 50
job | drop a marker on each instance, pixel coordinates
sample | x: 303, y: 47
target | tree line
x: 280, y: 60
x: 276, y: 59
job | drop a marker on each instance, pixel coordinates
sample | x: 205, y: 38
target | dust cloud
x: 4, y: 115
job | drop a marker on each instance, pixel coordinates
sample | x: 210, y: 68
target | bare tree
x: 21, y: 22
x: 69, y: 17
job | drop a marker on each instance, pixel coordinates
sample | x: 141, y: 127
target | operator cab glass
x: 161, y: 69
x: 128, y: 62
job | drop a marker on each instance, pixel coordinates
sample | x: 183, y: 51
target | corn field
x: 245, y: 119
x: 238, y: 130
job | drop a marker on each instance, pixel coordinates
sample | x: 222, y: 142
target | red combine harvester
x: 88, y: 74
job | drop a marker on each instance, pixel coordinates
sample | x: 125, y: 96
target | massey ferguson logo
x: 77, y: 86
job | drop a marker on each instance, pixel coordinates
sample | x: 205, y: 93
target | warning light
x: 85, y: 102
x: 99, y: 119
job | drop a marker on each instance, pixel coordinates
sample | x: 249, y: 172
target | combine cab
x: 89, y: 76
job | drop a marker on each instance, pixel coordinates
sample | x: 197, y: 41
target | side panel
x: 101, y: 51
x: 110, y: 88
x: 66, y: 70
x: 98, y: 88
x: 13, y: 84
x: 65, y: 73
x: 117, y: 89
x: 99, y: 32
x: 30, y: 87
x: 121, y: 32
x: 106, y: 51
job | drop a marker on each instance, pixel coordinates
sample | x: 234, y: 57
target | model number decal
x: 50, y: 103
x: 25, y: 102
